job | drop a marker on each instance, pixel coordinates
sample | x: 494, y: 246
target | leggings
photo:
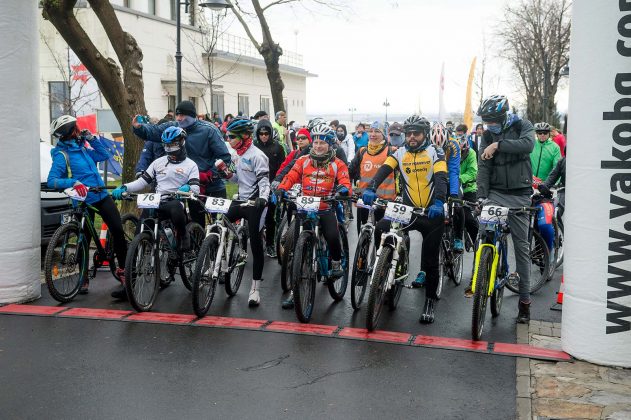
x: 432, y: 231
x: 112, y: 218
x: 270, y: 224
x: 253, y: 216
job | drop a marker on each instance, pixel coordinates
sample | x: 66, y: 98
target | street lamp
x: 214, y: 5
x: 386, y: 104
x: 352, y: 111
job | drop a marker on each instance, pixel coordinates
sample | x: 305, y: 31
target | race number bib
x: 494, y: 214
x: 398, y: 212
x: 148, y: 201
x: 217, y: 205
x: 306, y: 203
x: 73, y: 194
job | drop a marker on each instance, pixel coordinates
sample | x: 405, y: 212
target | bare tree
x: 269, y: 50
x: 536, y: 41
x: 213, y: 27
x: 122, y: 86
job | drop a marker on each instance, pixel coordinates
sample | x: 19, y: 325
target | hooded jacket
x: 81, y: 165
x: 544, y: 157
x: 348, y: 145
x: 272, y: 149
x: 204, y: 145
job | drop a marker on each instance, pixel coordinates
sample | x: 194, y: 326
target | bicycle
x: 287, y: 236
x: 223, y: 250
x: 392, y: 262
x: 491, y: 268
x: 451, y: 262
x: 154, y: 256
x: 365, y: 253
x: 311, y: 262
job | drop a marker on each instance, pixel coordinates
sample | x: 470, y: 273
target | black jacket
x: 272, y: 149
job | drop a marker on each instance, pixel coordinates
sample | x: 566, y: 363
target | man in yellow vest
x: 365, y: 165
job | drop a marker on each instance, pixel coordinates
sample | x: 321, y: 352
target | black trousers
x: 253, y: 216
x: 328, y: 224
x: 171, y: 210
x: 362, y: 216
x: 197, y: 211
x: 270, y: 224
x: 112, y: 218
x: 432, y: 231
x: 463, y: 217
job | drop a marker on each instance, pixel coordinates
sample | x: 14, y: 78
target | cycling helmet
x: 417, y: 123
x: 63, y: 127
x: 173, y: 140
x: 542, y: 126
x: 241, y: 126
x: 323, y: 132
x: 494, y: 109
x: 439, y: 135
x: 314, y: 122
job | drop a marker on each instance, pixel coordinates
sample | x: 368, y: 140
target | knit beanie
x: 186, y: 108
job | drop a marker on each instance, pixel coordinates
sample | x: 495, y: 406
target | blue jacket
x: 204, y: 145
x: 360, y: 141
x: 150, y: 152
x: 452, y: 156
x: 82, y: 166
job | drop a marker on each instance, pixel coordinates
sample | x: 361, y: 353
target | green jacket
x: 544, y: 158
x: 469, y: 172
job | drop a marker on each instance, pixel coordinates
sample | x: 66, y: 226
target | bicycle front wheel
x: 337, y: 287
x: 238, y: 255
x: 361, y: 267
x: 304, y: 275
x: 66, y: 262
x: 481, y: 293
x: 287, y: 256
x: 130, y: 222
x: 142, y: 272
x: 378, y: 290
x: 281, y: 239
x: 442, y: 269
x: 204, y: 285
x: 189, y: 257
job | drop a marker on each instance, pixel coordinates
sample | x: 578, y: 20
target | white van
x: 53, y: 204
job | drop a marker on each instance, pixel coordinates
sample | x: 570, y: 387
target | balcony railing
x: 243, y: 46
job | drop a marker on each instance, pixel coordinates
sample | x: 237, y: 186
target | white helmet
x: 63, y: 126
x: 439, y: 134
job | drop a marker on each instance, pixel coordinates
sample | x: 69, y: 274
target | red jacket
x: 287, y: 161
x: 317, y: 181
x: 560, y: 140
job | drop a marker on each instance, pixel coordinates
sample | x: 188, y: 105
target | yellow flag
x: 468, y: 113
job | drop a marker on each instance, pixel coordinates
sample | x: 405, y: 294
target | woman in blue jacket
x: 74, y: 166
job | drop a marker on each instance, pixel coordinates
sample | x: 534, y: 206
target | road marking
x: 391, y: 337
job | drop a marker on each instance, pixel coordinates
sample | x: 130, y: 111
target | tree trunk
x: 271, y: 56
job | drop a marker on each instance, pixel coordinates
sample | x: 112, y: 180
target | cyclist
x: 170, y: 173
x: 322, y: 174
x: 251, y: 173
x: 150, y: 152
x: 556, y: 177
x: 463, y: 217
x: 505, y: 179
x: 345, y: 141
x: 545, y: 154
x: 423, y: 175
x: 266, y: 140
x: 303, y: 140
x: 74, y: 166
x: 204, y: 146
x: 360, y: 138
x: 365, y: 165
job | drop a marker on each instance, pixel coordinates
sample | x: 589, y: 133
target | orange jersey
x: 317, y: 181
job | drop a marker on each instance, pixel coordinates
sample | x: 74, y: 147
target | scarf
x: 243, y: 146
x: 375, y: 149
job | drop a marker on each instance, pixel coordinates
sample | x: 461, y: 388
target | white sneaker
x: 254, y: 298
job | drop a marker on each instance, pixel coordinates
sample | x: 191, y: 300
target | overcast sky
x: 375, y: 49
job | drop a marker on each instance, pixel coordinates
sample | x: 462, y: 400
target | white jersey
x: 252, y: 174
x: 169, y: 176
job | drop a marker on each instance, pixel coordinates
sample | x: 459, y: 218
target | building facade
x: 242, y: 87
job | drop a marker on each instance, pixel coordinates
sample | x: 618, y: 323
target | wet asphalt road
x: 75, y: 368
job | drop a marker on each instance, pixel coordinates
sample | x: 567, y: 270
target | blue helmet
x: 173, y: 139
x: 240, y: 126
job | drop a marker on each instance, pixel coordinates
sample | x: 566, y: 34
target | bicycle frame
x: 393, y: 238
x: 220, y: 229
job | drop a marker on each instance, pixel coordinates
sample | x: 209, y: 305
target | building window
x: 151, y: 7
x: 244, y: 105
x: 216, y: 104
x: 59, y: 99
x: 265, y: 104
x: 171, y: 104
x: 174, y: 6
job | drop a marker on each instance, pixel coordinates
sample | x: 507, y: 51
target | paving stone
x: 548, y: 342
x: 534, y: 323
x: 556, y: 332
x: 523, y: 386
x: 608, y: 398
x: 523, y: 366
x: 615, y: 412
x: 549, y: 387
x: 545, y: 330
x: 619, y: 376
x: 576, y: 369
x: 522, y: 334
x: 524, y: 409
x: 556, y: 325
x: 559, y: 409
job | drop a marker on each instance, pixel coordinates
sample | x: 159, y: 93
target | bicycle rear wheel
x: 558, y: 246
x: 142, y: 272
x: 378, y: 290
x: 287, y: 256
x: 481, y: 293
x: 66, y: 262
x: 394, y: 294
x: 337, y: 287
x: 442, y: 268
x: 281, y: 238
x: 237, y: 258
x: 361, y: 267
x: 304, y: 268
x: 204, y: 285
x: 189, y: 257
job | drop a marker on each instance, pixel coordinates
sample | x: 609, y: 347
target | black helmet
x: 493, y: 109
x: 417, y: 123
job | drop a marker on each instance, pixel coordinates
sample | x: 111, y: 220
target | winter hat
x: 304, y: 132
x: 379, y: 127
x: 396, y: 129
x: 186, y: 108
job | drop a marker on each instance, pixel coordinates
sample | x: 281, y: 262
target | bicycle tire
x: 204, y: 285
x: 232, y: 281
x: 80, y: 258
x: 337, y: 287
x: 304, y: 276
x: 130, y: 223
x: 141, y: 278
x: 403, y: 266
x: 497, y: 297
x: 558, y: 247
x: 281, y: 238
x: 187, y: 264
x: 539, y: 257
x: 481, y: 293
x: 359, y: 276
x: 377, y: 293
x: 442, y: 268
x: 457, y: 267
x: 287, y: 257
x: 168, y: 265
